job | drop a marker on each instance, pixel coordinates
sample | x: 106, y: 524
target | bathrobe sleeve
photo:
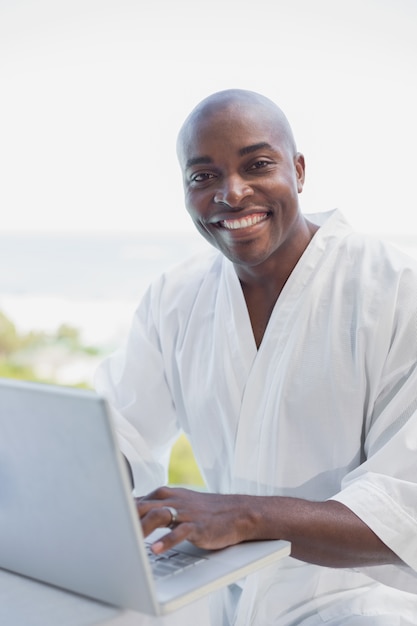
x: 134, y: 383
x: 382, y: 490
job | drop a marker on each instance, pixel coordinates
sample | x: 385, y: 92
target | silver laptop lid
x: 60, y: 441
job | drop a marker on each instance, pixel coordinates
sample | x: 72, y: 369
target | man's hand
x: 208, y: 520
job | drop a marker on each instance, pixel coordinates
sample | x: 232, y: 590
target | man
x: 288, y: 355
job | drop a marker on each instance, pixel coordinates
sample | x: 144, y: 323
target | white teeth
x: 244, y: 222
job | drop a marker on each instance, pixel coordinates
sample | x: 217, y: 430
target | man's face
x: 241, y: 182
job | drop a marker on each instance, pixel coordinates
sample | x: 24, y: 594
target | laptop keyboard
x: 171, y: 562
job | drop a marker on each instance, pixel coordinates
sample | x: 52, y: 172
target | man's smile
x: 243, y: 222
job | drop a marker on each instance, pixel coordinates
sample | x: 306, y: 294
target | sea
x: 93, y: 282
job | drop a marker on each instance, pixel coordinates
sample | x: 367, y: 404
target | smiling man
x: 288, y: 356
x: 242, y: 176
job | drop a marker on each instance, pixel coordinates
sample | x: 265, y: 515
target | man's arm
x: 325, y: 533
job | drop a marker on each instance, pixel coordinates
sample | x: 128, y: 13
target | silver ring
x: 174, y: 516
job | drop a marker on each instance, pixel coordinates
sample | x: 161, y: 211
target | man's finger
x: 180, y: 533
x: 155, y: 517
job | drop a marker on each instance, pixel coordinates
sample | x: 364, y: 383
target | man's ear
x: 300, y: 170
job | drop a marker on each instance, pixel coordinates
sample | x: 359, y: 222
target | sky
x: 93, y: 93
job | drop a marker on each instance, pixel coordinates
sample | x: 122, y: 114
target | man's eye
x: 201, y: 177
x: 259, y: 164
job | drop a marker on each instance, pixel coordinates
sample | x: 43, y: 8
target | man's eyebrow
x: 206, y: 160
x: 200, y: 160
x: 254, y: 148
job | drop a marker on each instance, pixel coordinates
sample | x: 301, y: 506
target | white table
x: 26, y: 602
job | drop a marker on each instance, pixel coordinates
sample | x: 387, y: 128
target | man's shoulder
x: 380, y: 253
x: 193, y: 268
x: 185, y: 279
x: 366, y: 250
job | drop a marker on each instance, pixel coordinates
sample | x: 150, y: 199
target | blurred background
x: 93, y: 93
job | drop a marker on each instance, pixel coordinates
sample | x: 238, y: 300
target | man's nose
x: 231, y: 191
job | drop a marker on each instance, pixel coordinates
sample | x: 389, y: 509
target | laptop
x: 67, y: 515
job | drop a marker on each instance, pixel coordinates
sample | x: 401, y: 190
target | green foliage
x: 183, y: 469
x: 9, y: 338
x: 14, y: 370
x: 68, y: 334
x: 19, y: 352
x: 12, y: 342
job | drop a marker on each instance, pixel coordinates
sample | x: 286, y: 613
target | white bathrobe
x: 326, y: 408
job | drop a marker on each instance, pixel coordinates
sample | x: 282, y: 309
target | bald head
x: 232, y: 104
